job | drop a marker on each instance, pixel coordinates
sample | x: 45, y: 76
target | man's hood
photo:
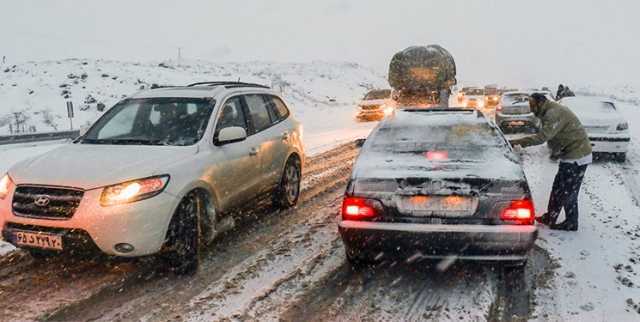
x: 89, y: 166
x: 542, y: 110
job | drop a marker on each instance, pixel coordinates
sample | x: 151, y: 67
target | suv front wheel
x: 183, y: 239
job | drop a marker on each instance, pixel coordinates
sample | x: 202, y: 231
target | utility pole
x: 179, y: 54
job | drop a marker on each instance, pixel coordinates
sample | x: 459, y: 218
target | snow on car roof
x: 198, y: 92
x: 591, y: 108
x: 194, y: 91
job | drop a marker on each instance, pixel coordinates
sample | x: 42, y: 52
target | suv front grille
x: 46, y: 202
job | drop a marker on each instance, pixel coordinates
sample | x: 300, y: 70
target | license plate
x: 444, y: 206
x: 39, y: 240
x: 516, y: 123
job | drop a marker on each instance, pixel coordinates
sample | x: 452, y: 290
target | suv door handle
x: 285, y: 136
x: 254, y: 151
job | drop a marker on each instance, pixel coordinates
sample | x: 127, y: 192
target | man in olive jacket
x: 569, y: 144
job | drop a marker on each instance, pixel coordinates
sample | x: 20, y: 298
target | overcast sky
x: 492, y: 41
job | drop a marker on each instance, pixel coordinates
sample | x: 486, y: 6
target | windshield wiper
x: 123, y: 141
x: 137, y: 141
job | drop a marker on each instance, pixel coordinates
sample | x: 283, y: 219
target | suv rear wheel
x: 183, y: 239
x: 287, y: 193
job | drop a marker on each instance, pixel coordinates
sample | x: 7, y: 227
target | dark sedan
x: 436, y: 183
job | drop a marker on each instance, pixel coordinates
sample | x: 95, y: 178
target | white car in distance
x: 606, y: 127
x: 160, y: 172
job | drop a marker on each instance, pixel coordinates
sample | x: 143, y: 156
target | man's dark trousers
x: 565, y: 191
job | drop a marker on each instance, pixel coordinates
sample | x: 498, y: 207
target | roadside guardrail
x: 36, y: 137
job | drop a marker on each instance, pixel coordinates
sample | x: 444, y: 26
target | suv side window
x: 280, y: 108
x: 232, y: 115
x: 258, y: 112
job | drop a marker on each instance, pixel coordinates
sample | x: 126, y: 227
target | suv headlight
x: 623, y: 126
x: 132, y: 191
x: 5, y: 186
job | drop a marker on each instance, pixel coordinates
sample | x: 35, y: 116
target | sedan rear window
x: 463, y: 141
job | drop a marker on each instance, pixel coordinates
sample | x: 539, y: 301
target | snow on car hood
x: 380, y: 165
x: 89, y: 166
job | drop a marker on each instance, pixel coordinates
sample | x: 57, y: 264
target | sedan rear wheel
x: 357, y: 259
x: 183, y: 236
x: 620, y: 157
x: 288, y: 191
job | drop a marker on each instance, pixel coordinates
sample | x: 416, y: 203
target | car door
x: 236, y: 175
x: 282, y: 135
x: 270, y: 138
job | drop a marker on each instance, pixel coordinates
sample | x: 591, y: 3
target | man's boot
x: 565, y: 225
x: 547, y: 219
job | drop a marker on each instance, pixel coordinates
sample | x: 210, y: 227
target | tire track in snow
x: 261, y: 275
x: 396, y: 291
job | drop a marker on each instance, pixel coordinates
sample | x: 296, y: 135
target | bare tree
x: 20, y: 119
x: 49, y: 119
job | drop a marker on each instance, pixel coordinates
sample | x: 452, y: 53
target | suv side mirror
x: 231, y: 135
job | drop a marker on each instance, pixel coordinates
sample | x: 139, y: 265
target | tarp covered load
x: 422, y: 69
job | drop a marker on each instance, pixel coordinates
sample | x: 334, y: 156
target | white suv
x: 161, y: 172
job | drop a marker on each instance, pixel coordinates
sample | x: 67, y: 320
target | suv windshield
x: 152, y: 121
x: 474, y: 91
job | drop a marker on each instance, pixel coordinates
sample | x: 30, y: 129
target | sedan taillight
x: 520, y: 212
x: 354, y: 208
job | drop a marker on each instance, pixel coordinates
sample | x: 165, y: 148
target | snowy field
x: 38, y: 91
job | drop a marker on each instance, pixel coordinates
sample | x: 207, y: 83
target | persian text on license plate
x: 446, y: 206
x: 39, y: 240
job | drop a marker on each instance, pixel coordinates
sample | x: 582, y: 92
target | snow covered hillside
x: 36, y: 92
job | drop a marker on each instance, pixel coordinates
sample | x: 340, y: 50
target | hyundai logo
x: 42, y: 201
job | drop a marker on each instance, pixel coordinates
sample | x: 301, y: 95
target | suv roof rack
x: 228, y: 84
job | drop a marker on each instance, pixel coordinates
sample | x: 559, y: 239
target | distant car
x: 607, y: 128
x: 473, y: 97
x: 491, y: 96
x: 375, y: 105
x: 513, y: 113
x: 160, y: 172
x: 437, y: 183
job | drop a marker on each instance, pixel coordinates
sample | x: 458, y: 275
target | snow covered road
x: 598, y: 266
x: 290, y: 265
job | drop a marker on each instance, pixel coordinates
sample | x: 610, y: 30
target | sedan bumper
x: 474, y: 242
x: 609, y: 143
